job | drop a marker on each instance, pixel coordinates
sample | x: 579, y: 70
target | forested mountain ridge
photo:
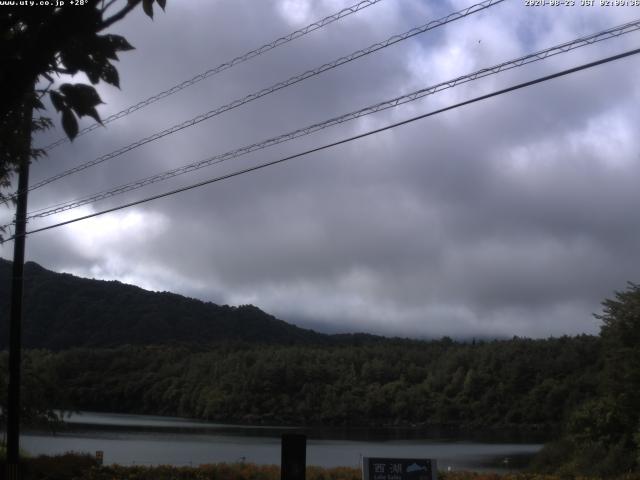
x: 63, y: 311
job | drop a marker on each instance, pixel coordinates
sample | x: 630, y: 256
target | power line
x: 223, y: 66
x: 278, y: 86
x: 518, y: 62
x: 340, y: 142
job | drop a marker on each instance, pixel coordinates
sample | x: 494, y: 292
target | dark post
x: 294, y: 457
x: 15, y: 319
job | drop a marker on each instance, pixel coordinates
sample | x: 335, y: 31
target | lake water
x: 149, y: 440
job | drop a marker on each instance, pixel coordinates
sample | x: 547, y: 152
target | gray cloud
x: 513, y: 216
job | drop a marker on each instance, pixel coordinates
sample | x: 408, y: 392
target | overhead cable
x: 394, y: 102
x: 340, y: 142
x: 278, y: 86
x: 223, y: 66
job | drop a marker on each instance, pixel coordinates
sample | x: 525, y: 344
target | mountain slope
x: 63, y: 311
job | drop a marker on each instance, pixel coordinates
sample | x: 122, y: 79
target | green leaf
x: 110, y: 75
x: 162, y: 3
x: 147, y: 6
x: 69, y: 124
x: 57, y: 100
x: 82, y: 99
x: 119, y: 43
x: 37, y: 153
x: 93, y: 76
x: 93, y: 113
x: 79, y: 95
x: 70, y: 61
x: 107, y: 49
x: 37, y: 104
x: 74, y: 56
x: 41, y: 123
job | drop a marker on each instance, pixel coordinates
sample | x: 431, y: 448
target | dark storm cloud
x: 510, y: 216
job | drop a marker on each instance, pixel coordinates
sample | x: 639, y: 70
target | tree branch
x: 44, y: 91
x: 104, y: 7
x: 118, y: 16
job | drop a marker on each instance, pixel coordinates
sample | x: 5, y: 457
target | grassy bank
x: 84, y: 467
x: 253, y: 472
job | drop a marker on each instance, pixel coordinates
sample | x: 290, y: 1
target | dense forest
x: 243, y: 365
x: 518, y: 382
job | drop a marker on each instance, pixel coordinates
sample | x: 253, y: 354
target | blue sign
x: 398, y: 469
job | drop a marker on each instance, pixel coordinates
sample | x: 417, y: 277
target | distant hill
x: 63, y: 311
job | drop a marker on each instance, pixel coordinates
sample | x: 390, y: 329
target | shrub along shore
x: 85, y: 467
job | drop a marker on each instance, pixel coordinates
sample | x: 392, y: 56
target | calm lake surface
x: 149, y: 440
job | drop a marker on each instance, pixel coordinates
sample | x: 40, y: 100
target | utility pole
x: 15, y: 319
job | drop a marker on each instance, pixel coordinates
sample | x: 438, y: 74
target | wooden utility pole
x: 15, y: 319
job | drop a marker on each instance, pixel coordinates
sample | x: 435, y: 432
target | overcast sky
x: 513, y: 216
